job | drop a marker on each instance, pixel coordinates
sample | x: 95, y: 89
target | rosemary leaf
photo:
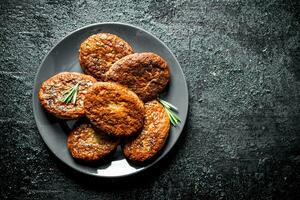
x: 65, y: 98
x: 174, y: 118
x: 169, y: 105
x: 164, y: 104
x: 170, y: 117
x: 70, y: 97
x: 71, y: 94
x: 67, y: 91
x: 75, y: 94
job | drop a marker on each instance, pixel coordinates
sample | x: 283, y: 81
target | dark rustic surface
x: 241, y: 61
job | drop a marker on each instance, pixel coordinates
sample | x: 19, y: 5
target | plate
x: 64, y: 57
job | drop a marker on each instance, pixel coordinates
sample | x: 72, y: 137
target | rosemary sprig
x: 174, y: 118
x: 71, y: 94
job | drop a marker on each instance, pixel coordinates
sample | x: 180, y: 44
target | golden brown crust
x: 88, y: 144
x: 52, y: 90
x: 146, y: 74
x: 114, y: 109
x: 98, y: 52
x: 153, y: 136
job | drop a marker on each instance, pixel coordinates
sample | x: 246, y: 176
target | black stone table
x: 241, y: 61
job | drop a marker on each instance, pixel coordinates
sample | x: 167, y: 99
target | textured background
x: 241, y: 61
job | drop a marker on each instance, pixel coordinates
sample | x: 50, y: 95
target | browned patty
x: 88, y: 144
x: 98, y: 52
x: 52, y: 92
x: 153, y: 136
x: 146, y: 74
x: 114, y: 109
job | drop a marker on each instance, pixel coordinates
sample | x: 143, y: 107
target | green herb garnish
x: 170, y: 109
x: 71, y: 94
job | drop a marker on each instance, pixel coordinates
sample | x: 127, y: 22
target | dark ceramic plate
x: 64, y: 57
